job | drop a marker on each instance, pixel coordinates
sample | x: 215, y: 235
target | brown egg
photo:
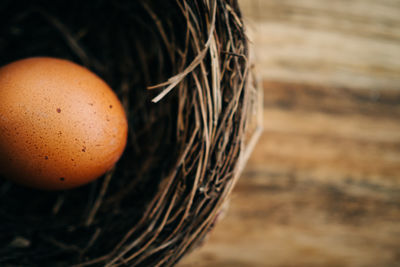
x: 61, y: 126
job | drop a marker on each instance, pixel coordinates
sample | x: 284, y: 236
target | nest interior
x: 180, y: 69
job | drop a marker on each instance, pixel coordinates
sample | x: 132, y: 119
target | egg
x: 61, y: 126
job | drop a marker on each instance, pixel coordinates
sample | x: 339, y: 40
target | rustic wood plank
x: 339, y: 43
x: 331, y: 134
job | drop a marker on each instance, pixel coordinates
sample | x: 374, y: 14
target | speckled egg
x: 61, y: 126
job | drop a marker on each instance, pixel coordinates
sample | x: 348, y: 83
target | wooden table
x: 322, y: 187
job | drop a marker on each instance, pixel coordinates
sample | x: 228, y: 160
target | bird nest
x: 181, y: 70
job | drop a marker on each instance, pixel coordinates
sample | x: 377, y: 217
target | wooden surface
x: 322, y: 187
x: 350, y: 43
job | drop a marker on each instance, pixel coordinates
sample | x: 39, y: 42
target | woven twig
x: 181, y: 71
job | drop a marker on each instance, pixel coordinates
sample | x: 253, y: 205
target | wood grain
x: 322, y: 187
x: 337, y: 42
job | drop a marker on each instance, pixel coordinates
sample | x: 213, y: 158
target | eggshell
x: 61, y: 126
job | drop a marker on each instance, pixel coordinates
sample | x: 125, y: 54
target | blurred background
x: 322, y: 187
